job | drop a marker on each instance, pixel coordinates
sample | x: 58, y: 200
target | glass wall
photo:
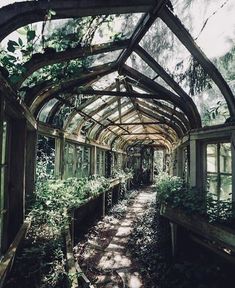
x: 77, y: 160
x: 3, y: 176
x: 219, y: 170
x: 100, y: 162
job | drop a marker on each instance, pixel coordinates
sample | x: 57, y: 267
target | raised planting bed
x: 8, y: 259
x: 95, y: 207
x: 218, y: 238
x: 73, y: 272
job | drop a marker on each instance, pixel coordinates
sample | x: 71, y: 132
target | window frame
x: 218, y: 172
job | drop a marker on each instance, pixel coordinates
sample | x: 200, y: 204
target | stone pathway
x: 104, y: 255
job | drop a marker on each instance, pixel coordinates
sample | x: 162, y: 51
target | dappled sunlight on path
x: 107, y: 263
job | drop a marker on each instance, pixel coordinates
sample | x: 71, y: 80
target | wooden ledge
x: 8, y: 259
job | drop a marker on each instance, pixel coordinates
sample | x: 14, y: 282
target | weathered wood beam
x: 170, y: 81
x: 134, y: 123
x: 166, y: 134
x: 16, y: 107
x: 141, y: 29
x: 8, y: 259
x: 183, y: 35
x: 21, y: 14
x: 134, y: 103
x: 40, y: 60
x: 95, y: 111
x: 119, y: 100
x: 142, y: 133
x: 104, y: 117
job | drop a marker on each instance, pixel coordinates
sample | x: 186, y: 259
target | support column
x: 31, y: 155
x: 179, y: 164
x: 193, y: 163
x: 59, y: 157
x: 173, y: 238
x: 93, y: 160
x: 16, y: 190
x: 233, y: 168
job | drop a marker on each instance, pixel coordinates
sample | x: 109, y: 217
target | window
x: 186, y: 166
x: 100, y: 170
x: 69, y: 160
x: 77, y: 160
x: 219, y: 170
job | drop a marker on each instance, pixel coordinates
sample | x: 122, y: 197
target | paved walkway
x: 104, y: 255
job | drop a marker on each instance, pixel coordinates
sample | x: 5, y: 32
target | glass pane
x: 211, y: 22
x: 86, y: 163
x: 226, y: 188
x: 74, y: 123
x: 79, y: 154
x: 203, y: 19
x: 69, y: 160
x: 212, y: 162
x: 140, y: 65
x: 46, y: 109
x: 118, y: 27
x: 105, y: 81
x: 225, y: 158
x: 212, y: 184
x: 103, y: 58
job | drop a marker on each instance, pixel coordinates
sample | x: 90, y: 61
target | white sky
x: 7, y: 2
x: 217, y: 37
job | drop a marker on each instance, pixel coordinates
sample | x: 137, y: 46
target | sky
x: 219, y: 32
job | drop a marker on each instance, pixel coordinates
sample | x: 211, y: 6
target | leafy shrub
x: 42, y: 263
x: 171, y: 190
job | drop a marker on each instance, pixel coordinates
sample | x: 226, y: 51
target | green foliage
x: 33, y: 42
x: 43, y: 253
x: 215, y: 113
x: 54, y: 198
x: 172, y: 191
x: 168, y: 187
x: 150, y: 244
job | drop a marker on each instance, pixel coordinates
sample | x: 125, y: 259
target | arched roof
x: 113, y: 102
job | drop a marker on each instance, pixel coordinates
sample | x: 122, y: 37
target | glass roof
x: 74, y: 123
x: 212, y: 106
x: 103, y: 58
x: 140, y: 65
x: 211, y: 24
x: 161, y: 43
x: 42, y: 116
x: 105, y: 81
x: 119, y: 27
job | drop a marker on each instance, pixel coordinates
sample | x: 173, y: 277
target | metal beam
x: 135, y: 123
x: 157, y: 95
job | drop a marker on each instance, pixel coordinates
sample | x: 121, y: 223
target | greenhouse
x: 117, y: 143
